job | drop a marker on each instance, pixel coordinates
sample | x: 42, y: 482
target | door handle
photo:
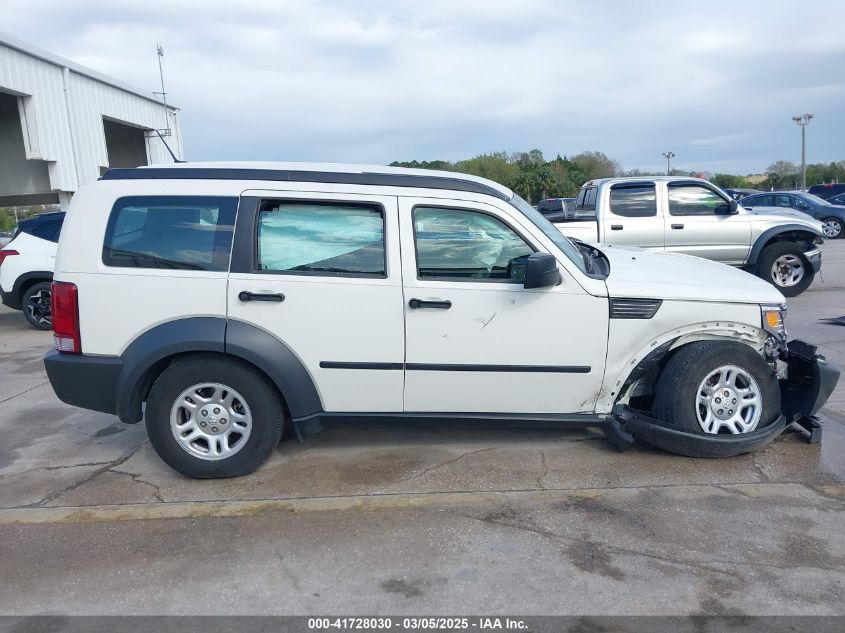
x: 442, y: 304
x: 677, y: 226
x: 247, y: 296
x: 615, y: 227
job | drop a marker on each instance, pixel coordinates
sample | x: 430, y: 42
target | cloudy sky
x: 372, y: 82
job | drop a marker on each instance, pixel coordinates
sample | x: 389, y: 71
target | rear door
x: 477, y: 340
x: 630, y: 216
x: 322, y: 273
x: 697, y: 224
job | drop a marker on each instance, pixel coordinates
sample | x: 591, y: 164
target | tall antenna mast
x: 166, y: 131
x: 163, y: 93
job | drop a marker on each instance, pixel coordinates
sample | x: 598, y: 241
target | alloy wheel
x: 729, y: 398
x: 211, y: 421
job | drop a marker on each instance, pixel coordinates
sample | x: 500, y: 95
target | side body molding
x: 212, y: 334
x: 275, y: 359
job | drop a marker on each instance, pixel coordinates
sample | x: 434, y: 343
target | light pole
x: 669, y: 156
x: 803, y: 120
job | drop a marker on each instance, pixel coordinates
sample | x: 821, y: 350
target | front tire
x: 784, y: 266
x: 212, y: 417
x: 833, y: 228
x: 717, y: 387
x: 36, y: 306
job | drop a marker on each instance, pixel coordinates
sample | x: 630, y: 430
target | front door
x: 321, y: 272
x: 476, y: 339
x: 697, y: 224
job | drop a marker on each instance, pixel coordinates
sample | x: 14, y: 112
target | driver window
x: 467, y: 245
x: 692, y: 199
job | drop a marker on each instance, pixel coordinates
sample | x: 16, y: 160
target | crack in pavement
x: 137, y: 479
x: 46, y: 382
x: 448, y: 462
x: 545, y: 470
x: 90, y: 477
x: 49, y: 468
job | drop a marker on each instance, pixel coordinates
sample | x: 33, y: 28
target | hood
x: 778, y: 213
x: 635, y: 272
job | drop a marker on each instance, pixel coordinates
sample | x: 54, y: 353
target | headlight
x: 773, y: 321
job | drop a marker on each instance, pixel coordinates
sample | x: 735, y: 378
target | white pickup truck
x: 694, y: 217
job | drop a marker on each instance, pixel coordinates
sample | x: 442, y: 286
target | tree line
x: 533, y: 177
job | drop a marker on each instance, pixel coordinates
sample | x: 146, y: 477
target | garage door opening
x: 22, y: 181
x: 126, y: 145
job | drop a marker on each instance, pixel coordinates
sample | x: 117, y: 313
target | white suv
x: 26, y: 267
x: 235, y: 298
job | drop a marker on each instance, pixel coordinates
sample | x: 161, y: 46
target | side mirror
x: 728, y: 209
x: 541, y: 271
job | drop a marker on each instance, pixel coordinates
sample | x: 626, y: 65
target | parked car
x: 694, y: 217
x: 557, y: 209
x: 26, y: 268
x: 831, y: 215
x: 837, y: 200
x: 827, y: 191
x: 739, y: 194
x: 233, y: 299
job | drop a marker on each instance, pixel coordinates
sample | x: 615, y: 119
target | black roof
x: 292, y: 175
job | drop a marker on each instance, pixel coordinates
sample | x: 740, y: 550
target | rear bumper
x: 9, y: 299
x: 811, y: 380
x: 89, y: 382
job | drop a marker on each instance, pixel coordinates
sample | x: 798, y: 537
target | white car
x: 235, y: 298
x: 26, y: 267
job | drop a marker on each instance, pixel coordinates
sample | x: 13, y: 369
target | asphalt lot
x: 378, y: 518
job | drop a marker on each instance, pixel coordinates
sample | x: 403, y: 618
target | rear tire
x: 677, y: 393
x: 239, y: 410
x: 784, y: 266
x: 36, y: 306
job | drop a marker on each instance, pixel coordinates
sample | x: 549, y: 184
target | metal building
x: 62, y: 125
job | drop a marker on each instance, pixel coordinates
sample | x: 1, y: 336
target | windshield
x: 815, y: 199
x: 549, y: 230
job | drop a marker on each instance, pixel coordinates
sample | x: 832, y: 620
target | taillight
x: 5, y: 254
x: 65, y: 303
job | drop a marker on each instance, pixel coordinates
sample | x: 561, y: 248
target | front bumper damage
x: 810, y: 381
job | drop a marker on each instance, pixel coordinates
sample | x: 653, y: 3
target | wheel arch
x: 783, y: 233
x: 26, y: 281
x: 650, y: 359
x: 153, y: 351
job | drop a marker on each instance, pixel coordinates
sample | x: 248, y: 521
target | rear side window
x: 633, y: 201
x: 344, y: 240
x: 173, y: 232
x: 48, y: 230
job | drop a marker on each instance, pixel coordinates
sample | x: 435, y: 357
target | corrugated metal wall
x: 68, y: 127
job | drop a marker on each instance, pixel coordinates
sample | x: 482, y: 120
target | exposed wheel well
x: 804, y: 239
x: 639, y: 386
x: 142, y: 388
x: 28, y: 283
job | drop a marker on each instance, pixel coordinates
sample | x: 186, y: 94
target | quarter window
x: 633, y: 201
x: 460, y: 244
x: 173, y: 232
x: 344, y: 240
x: 692, y: 199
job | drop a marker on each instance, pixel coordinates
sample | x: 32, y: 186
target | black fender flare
x: 761, y: 242
x: 212, y: 334
x: 15, y: 297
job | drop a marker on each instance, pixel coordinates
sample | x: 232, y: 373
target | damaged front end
x: 807, y: 384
